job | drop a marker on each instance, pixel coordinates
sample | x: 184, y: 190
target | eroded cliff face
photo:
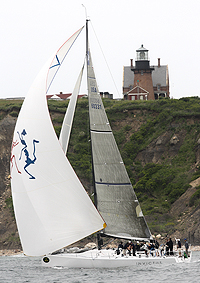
x: 167, y: 145
x: 6, y: 132
x: 187, y: 217
x: 8, y: 229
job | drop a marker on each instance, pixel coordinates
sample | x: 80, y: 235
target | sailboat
x: 52, y: 208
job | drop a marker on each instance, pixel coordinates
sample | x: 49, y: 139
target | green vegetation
x: 79, y: 146
x: 157, y: 183
x: 9, y: 205
x: 158, y: 187
x: 58, y: 106
x: 9, y: 106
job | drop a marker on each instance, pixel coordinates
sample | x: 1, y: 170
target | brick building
x: 143, y: 81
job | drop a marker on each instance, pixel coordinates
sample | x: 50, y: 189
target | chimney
x: 131, y: 62
x: 158, y: 62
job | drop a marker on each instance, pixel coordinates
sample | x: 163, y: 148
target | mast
x: 87, y: 47
x: 87, y: 58
x: 99, y: 240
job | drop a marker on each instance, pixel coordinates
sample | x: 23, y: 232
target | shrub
x: 9, y: 205
x: 57, y: 130
x: 14, y: 114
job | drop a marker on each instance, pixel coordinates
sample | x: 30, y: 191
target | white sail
x: 52, y: 209
x: 68, y: 119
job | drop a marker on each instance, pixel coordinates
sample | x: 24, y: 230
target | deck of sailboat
x: 108, y: 259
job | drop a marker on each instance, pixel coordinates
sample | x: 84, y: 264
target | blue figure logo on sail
x: 28, y: 160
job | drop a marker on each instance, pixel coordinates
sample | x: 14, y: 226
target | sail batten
x: 96, y: 131
x: 113, y: 184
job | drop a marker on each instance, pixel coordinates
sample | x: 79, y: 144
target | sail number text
x: 93, y: 89
x: 96, y: 106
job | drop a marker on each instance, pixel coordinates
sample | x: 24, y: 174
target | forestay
x: 116, y: 200
x: 52, y: 209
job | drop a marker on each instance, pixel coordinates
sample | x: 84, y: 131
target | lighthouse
x: 143, y: 81
x: 143, y: 73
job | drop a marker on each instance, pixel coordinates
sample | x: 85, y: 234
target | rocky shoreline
x: 10, y: 252
x: 18, y: 252
x: 195, y: 248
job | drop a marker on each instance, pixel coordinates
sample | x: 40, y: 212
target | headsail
x: 52, y: 209
x: 116, y: 199
x: 69, y: 115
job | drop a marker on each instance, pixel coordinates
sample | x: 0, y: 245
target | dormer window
x: 158, y: 87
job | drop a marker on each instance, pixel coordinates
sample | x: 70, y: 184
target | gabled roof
x: 159, y: 76
x: 55, y: 97
x: 128, y: 76
x: 138, y: 90
x: 63, y: 95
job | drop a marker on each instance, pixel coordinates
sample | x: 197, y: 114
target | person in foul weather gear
x: 170, y: 244
x: 186, y: 247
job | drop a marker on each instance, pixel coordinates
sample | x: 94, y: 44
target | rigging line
x: 105, y: 61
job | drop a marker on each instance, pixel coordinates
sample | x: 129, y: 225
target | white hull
x: 107, y: 259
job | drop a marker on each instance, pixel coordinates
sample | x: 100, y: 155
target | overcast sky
x: 31, y: 30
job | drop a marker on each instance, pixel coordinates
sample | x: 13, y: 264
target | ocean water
x: 25, y: 269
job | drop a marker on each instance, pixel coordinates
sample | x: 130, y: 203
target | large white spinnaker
x: 52, y: 209
x: 69, y: 115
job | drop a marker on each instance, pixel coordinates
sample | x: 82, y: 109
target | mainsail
x: 115, y: 197
x: 52, y: 209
